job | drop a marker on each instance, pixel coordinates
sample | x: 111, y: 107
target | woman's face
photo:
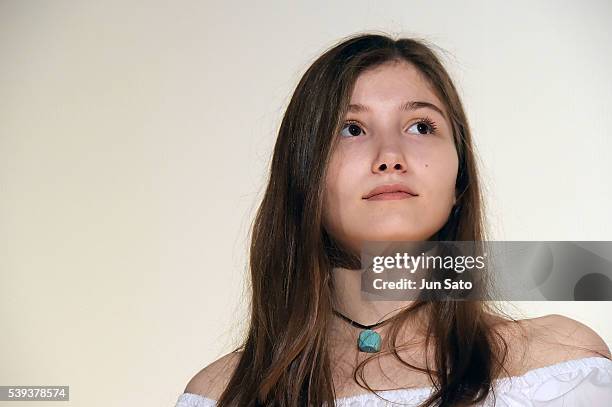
x: 384, y: 144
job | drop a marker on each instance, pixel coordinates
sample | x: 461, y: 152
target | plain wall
x: 135, y: 139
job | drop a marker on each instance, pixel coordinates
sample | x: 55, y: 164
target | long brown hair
x: 284, y: 359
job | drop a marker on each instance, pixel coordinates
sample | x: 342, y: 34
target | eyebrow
x: 408, y: 106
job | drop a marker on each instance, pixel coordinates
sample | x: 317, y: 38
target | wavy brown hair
x: 284, y: 359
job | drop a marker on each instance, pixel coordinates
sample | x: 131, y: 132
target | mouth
x: 389, y: 196
x: 390, y: 192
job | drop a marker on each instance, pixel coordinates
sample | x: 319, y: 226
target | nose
x: 391, y: 162
x: 383, y: 167
x: 389, y: 152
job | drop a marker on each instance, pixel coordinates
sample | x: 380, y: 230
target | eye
x: 354, y: 129
x: 424, y: 126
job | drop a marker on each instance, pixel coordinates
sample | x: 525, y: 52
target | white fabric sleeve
x: 194, y: 400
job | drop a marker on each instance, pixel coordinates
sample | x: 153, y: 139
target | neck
x: 348, y: 301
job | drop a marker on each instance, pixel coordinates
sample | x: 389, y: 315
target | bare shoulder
x: 543, y: 341
x: 557, y: 338
x: 212, y: 380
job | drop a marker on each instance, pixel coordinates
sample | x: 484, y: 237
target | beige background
x: 134, y: 139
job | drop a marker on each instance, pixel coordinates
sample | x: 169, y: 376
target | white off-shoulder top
x: 573, y: 383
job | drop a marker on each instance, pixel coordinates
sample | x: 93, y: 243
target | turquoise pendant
x: 369, y: 341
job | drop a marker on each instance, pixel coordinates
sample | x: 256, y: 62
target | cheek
x: 341, y: 175
x: 331, y: 196
x: 341, y: 192
x: 440, y: 173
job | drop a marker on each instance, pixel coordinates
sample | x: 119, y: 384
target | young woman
x: 374, y: 111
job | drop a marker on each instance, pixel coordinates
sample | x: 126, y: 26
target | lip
x: 390, y: 191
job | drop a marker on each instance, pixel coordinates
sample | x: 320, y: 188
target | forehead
x: 393, y: 82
